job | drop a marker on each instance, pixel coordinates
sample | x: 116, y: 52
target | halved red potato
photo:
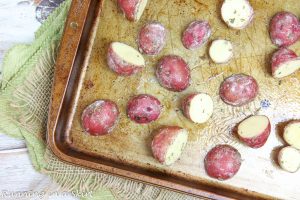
x: 238, y: 89
x: 237, y: 14
x: 255, y: 130
x: 222, y: 162
x: 152, y: 38
x: 124, y: 59
x: 289, y: 159
x: 132, y: 9
x: 221, y: 51
x: 173, y: 73
x: 196, y: 34
x: 198, y: 107
x: 284, y: 62
x: 291, y: 134
x: 168, y: 144
x: 100, y: 117
x: 284, y: 29
x: 143, y: 108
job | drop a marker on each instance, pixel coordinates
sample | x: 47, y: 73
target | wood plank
x: 7, y: 142
x: 18, y: 177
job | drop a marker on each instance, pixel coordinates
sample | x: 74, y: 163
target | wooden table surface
x: 17, y: 25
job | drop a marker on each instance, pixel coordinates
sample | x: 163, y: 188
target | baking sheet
x: 130, y: 143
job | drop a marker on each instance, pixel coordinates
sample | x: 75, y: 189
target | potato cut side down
x: 100, y: 117
x: 198, y: 107
x: 168, y: 144
x: 152, y: 38
x: 222, y: 162
x: 284, y: 29
x: 196, y: 34
x: 124, y: 59
x: 291, y: 134
x: 221, y: 51
x: 255, y: 130
x: 237, y: 14
x: 132, y: 9
x: 289, y: 159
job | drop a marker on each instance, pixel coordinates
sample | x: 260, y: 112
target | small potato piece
x: 198, y: 107
x: 237, y: 14
x: 238, y: 89
x: 168, y: 143
x: 222, y: 162
x: 152, y: 38
x: 100, y: 117
x: 284, y: 62
x: 221, y: 51
x: 284, y: 29
x: 291, y: 134
x: 124, y: 60
x: 132, y: 9
x: 173, y: 73
x: 255, y: 130
x: 143, y: 108
x: 289, y: 159
x: 196, y: 34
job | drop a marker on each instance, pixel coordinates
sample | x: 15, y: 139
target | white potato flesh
x: 253, y: 126
x: 289, y: 159
x: 221, y: 51
x: 175, y: 149
x: 287, y: 68
x: 201, y: 108
x: 291, y: 134
x: 128, y: 54
x: 140, y: 9
x: 237, y: 14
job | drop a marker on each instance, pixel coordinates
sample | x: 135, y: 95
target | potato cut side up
x: 237, y: 14
x: 287, y: 68
x: 128, y: 54
x: 255, y: 130
x: 292, y: 134
x: 221, y: 51
x: 175, y: 149
x: 198, y: 107
x: 140, y: 9
x: 289, y: 159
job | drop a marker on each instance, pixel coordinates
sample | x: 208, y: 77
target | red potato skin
x: 173, y: 73
x: 162, y: 140
x: 258, y: 141
x: 185, y: 105
x: 100, y: 117
x: 222, y: 162
x: 284, y: 29
x: 122, y: 68
x: 143, y: 109
x: 196, y: 34
x: 280, y: 57
x: 129, y: 8
x: 152, y: 38
x: 238, y: 89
